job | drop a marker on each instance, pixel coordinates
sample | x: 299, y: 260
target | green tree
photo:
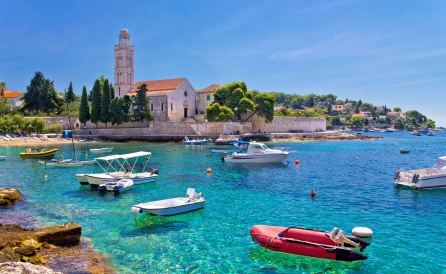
x: 32, y: 94
x: 141, y: 111
x: 70, y: 94
x: 215, y: 112
x: 430, y: 123
x: 397, y: 109
x: 96, y: 103
x: 119, y: 110
x: 38, y: 124
x: 105, y: 103
x: 84, y: 110
x: 398, y: 123
x: 112, y: 91
x: 55, y: 128
x: 236, y: 97
x: 2, y: 94
x: 357, y: 121
x: 264, y: 107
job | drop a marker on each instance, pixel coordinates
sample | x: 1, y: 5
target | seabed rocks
x: 61, y: 248
x: 9, y: 196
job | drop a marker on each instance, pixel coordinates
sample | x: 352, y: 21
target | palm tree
x: 2, y: 93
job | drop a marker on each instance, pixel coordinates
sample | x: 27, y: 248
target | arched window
x: 162, y: 106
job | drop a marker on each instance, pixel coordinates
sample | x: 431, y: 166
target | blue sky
x: 382, y: 52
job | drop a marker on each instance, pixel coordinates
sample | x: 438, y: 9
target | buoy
x: 201, y: 147
x: 357, y: 158
x: 133, y: 151
x: 297, y: 162
x: 61, y: 157
x: 207, y: 155
x: 363, y: 232
x: 313, y: 193
x: 174, y: 149
x: 46, y: 177
x: 149, y: 150
x: 209, y: 170
x: 111, y: 152
x: 86, y: 155
x: 99, y: 154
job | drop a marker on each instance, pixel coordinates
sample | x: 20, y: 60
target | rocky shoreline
x: 59, y: 248
x: 288, y: 138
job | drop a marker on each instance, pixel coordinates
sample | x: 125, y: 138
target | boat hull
x: 101, y: 150
x: 171, y: 207
x: 2, y: 158
x: 94, y: 180
x: 304, y: 242
x: 257, y: 158
x: 196, y: 142
x: 423, y: 178
x: 119, y: 186
x: 49, y: 154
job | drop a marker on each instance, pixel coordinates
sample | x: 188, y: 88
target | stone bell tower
x: 124, y: 64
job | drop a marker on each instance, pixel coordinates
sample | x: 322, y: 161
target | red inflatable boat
x: 308, y: 242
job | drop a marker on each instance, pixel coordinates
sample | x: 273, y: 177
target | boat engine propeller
x: 337, y: 236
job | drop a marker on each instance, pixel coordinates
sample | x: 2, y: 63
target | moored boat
x: 434, y: 177
x: 37, y: 153
x: 311, y: 243
x: 116, y: 186
x: 102, y: 150
x: 257, y: 153
x: 404, y: 150
x: 186, y: 141
x: 2, y: 158
x: 174, y: 206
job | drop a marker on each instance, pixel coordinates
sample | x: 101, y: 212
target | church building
x: 170, y: 100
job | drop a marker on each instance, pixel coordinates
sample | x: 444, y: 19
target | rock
x: 22, y: 268
x: 8, y: 196
x: 26, y: 250
x: 7, y: 254
x: 64, y: 235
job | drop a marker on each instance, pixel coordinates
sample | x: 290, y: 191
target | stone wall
x: 288, y: 124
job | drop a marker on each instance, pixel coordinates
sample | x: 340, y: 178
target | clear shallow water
x: 409, y: 225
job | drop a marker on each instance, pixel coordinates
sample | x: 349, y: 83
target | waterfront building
x: 170, y: 100
x: 204, y: 98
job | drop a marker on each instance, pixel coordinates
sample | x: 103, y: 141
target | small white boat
x: 257, y: 153
x: 174, y: 206
x: 66, y: 163
x: 186, y: 141
x: 423, y: 178
x: 117, y: 186
x: 2, y: 158
x: 102, y: 150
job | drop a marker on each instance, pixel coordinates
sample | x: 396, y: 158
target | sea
x: 353, y: 181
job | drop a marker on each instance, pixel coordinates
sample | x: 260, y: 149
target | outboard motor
x: 223, y: 155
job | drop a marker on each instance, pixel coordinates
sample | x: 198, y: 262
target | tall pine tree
x: 84, y: 110
x: 31, y: 96
x: 112, y: 91
x: 141, y: 111
x: 96, y: 103
x: 105, y: 103
x: 70, y: 94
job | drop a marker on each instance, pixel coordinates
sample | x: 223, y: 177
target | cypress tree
x: 96, y: 103
x: 112, y: 91
x: 84, y: 110
x: 105, y: 103
x: 70, y: 94
x: 141, y: 111
x: 31, y: 97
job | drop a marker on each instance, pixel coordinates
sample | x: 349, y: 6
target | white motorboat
x: 66, y: 163
x: 174, y: 206
x: 116, y: 186
x: 2, y: 158
x: 186, y: 141
x: 102, y: 150
x: 423, y: 178
x: 257, y: 153
x: 124, y: 170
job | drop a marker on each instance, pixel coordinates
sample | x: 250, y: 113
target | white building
x: 170, y: 100
x: 204, y: 98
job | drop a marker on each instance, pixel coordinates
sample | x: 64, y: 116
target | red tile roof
x: 158, y: 86
x: 10, y: 94
x: 211, y: 88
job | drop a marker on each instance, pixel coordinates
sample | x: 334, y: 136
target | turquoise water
x: 409, y: 225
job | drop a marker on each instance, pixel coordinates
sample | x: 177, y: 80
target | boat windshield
x: 264, y: 147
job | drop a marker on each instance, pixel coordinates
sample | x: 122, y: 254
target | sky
x: 383, y: 52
